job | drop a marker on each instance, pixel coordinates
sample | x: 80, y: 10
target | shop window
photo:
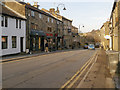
x: 4, y: 42
x: 14, y: 43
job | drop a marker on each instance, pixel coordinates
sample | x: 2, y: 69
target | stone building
x: 75, y: 37
x: 58, y: 30
x: 105, y: 37
x: 67, y: 32
x: 115, y: 26
x: 41, y: 26
x: 64, y: 28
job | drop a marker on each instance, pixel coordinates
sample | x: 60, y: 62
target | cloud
x: 71, y: 0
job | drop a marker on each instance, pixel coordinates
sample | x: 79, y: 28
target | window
x: 40, y: 15
x: 52, y: 21
x: 4, y: 42
x: 32, y: 13
x: 14, y: 44
x: 2, y: 21
x: 48, y: 19
x: 50, y: 29
x: 19, y: 24
x: 6, y: 21
x: 16, y: 23
x: 34, y: 26
x: 57, y: 22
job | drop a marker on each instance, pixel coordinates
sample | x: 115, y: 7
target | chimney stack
x: 52, y: 10
x: 36, y: 4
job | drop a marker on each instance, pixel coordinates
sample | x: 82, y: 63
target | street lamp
x: 61, y: 4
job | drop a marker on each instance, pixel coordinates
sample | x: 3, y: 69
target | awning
x: 37, y: 33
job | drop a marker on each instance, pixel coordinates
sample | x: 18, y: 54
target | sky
x: 88, y: 13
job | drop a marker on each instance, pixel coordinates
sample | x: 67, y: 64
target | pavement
x: 99, y: 75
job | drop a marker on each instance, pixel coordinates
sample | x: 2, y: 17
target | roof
x: 114, y: 5
x: 102, y: 26
x: 67, y: 19
x: 36, y: 9
x: 74, y: 27
x: 6, y: 11
x: 53, y: 14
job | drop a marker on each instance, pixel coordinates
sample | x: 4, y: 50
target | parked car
x: 91, y: 47
x: 85, y: 46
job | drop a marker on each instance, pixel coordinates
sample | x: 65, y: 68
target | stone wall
x: 113, y: 58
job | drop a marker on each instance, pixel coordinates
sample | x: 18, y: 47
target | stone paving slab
x: 99, y: 76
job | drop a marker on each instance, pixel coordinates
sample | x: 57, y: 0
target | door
x: 21, y: 44
x: 42, y: 43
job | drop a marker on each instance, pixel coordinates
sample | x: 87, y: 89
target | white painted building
x: 12, y: 32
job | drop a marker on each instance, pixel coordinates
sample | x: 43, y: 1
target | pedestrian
x: 46, y: 47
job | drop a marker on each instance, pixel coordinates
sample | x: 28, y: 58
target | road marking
x: 79, y: 71
x: 74, y: 76
x: 87, y: 73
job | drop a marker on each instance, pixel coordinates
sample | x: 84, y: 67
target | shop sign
x: 49, y: 34
x: 56, y: 35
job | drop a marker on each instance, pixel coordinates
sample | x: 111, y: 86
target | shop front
x: 60, y: 42
x: 49, y: 38
x: 37, y: 40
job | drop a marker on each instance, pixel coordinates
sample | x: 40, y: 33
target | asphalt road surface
x: 45, y: 71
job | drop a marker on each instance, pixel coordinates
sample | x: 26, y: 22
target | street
x: 45, y: 71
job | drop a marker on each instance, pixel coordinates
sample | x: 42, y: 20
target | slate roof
x: 7, y: 12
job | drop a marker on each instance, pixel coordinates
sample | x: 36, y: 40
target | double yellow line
x: 72, y: 81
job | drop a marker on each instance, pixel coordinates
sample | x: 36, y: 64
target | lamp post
x: 61, y: 4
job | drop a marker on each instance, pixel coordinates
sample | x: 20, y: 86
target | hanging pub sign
x: 3, y: 39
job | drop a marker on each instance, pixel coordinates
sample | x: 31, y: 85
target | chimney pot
x: 36, y: 4
x: 52, y: 10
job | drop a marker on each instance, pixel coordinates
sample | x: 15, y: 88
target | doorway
x: 21, y: 44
